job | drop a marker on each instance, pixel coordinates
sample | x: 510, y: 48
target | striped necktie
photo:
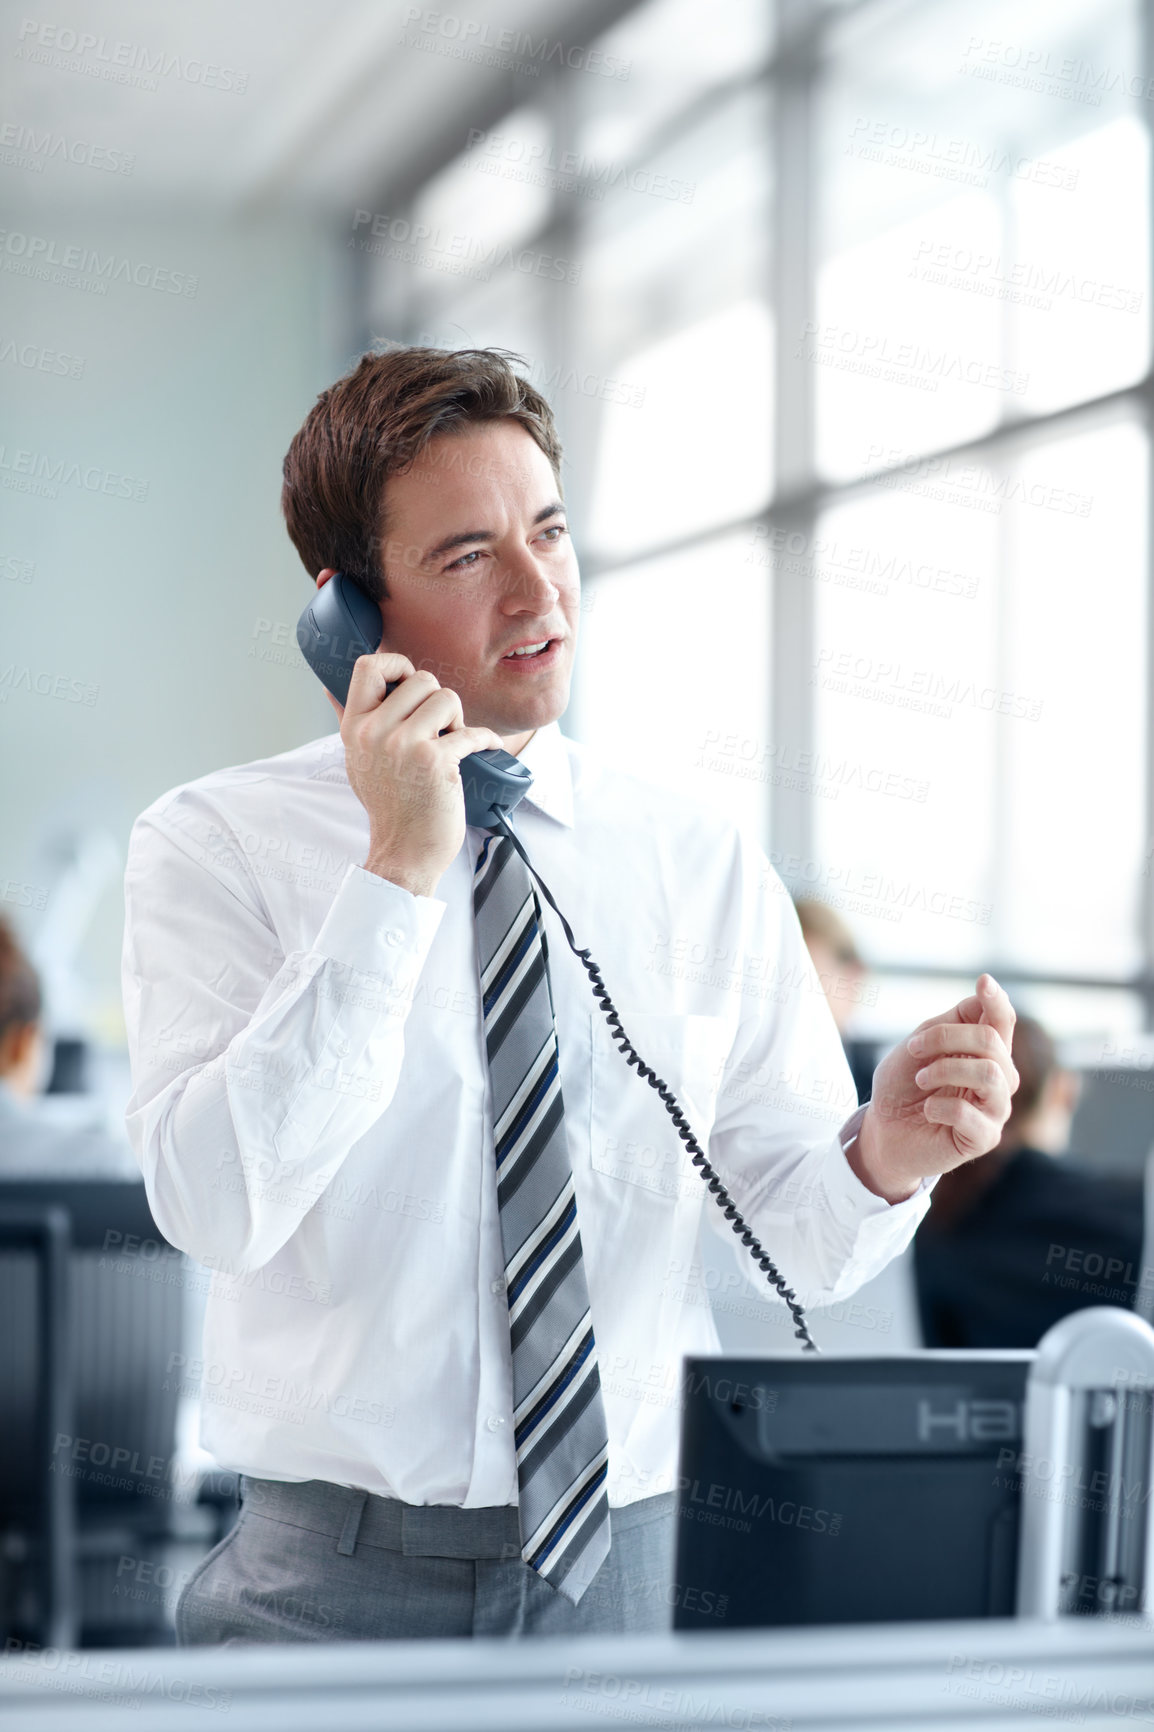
x: 559, y: 1418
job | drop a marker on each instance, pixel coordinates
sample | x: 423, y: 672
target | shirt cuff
x: 375, y: 926
x: 852, y: 1203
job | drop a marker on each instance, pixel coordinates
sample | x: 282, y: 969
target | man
x: 1014, y: 1243
x: 842, y: 973
x: 455, y: 1232
x: 33, y: 1144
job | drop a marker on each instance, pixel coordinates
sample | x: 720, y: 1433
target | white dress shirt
x: 311, y: 1114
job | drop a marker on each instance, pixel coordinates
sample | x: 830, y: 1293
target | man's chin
x: 536, y: 712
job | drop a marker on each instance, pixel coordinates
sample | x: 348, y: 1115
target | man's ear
x: 323, y: 576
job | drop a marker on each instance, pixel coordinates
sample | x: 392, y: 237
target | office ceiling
x: 243, y: 104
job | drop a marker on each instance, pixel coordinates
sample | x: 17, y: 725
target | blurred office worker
x: 373, y: 1090
x: 1013, y: 1243
x: 33, y: 1145
x: 834, y: 953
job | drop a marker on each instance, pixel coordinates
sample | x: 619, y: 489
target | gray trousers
x: 325, y: 1563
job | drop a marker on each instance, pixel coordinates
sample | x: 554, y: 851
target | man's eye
x: 464, y: 563
x: 556, y: 529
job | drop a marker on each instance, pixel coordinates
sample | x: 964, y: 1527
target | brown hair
x: 20, y: 1002
x: 1035, y: 1060
x: 374, y: 423
x: 818, y: 920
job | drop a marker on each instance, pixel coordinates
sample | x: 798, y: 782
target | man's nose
x: 528, y: 589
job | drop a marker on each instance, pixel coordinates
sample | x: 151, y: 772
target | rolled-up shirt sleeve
x: 785, y: 1094
x: 254, y: 1070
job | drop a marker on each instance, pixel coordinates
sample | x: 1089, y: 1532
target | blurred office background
x: 844, y: 311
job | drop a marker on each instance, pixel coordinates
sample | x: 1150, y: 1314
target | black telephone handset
x: 342, y: 622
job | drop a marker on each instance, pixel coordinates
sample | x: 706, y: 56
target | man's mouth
x: 531, y: 651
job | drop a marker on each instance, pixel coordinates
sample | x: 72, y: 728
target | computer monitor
x: 844, y: 1490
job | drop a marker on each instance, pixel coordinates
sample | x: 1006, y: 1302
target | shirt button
x: 494, y: 1422
x: 497, y: 1286
x: 392, y: 936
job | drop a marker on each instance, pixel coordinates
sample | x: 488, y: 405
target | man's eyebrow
x: 467, y: 535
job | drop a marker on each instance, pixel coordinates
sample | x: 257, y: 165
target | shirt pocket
x: 632, y: 1137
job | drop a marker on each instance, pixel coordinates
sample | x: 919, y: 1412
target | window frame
x: 799, y: 495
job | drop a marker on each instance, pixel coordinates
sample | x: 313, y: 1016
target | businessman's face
x: 478, y: 565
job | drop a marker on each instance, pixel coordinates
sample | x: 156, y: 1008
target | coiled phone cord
x: 669, y: 1100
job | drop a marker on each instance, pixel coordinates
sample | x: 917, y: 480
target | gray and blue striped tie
x: 559, y: 1418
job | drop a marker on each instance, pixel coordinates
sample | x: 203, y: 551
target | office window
x: 672, y: 675
x: 983, y: 227
x: 673, y: 297
x: 1080, y: 321
x: 700, y: 453
x: 907, y: 734
x: 1074, y: 636
x: 686, y: 236
x: 665, y: 55
x: 980, y: 674
x: 865, y: 468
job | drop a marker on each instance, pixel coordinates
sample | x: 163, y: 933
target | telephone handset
x: 342, y: 622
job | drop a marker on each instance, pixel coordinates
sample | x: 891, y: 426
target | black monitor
x: 824, y: 1490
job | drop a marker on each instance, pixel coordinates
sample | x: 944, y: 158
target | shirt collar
x: 547, y: 760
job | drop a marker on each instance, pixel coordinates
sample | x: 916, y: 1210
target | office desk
x: 993, y: 1674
